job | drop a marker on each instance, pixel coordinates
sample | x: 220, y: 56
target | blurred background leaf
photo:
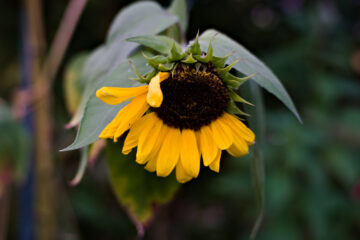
x: 140, y: 191
x: 14, y: 145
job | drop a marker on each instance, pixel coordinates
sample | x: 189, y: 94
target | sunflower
x: 183, y: 113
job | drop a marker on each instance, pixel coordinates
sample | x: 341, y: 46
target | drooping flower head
x: 184, y: 112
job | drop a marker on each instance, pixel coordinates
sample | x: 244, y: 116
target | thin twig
x: 62, y: 37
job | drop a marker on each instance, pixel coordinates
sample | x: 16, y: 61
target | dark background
x: 312, y: 169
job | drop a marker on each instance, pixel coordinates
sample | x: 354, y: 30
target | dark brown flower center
x: 194, y: 96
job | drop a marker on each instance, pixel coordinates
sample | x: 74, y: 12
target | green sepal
x: 189, y: 59
x: 155, y: 60
x: 165, y: 67
x: 175, y: 53
x: 146, y: 78
x: 161, y: 44
x: 209, y: 55
x: 140, y: 77
x: 223, y: 71
x: 233, y: 109
x: 197, y: 66
x: 219, y: 62
x: 236, y: 98
x: 150, y: 75
x: 195, y: 47
x: 235, y: 82
x: 232, y: 84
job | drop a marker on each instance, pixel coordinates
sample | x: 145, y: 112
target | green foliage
x: 14, y: 144
x: 138, y: 190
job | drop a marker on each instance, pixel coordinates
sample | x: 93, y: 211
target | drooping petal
x: 169, y: 153
x: 147, y: 139
x: 189, y: 153
x: 181, y: 174
x: 125, y: 118
x: 155, y: 96
x: 222, y: 134
x: 239, y: 128
x: 115, y: 95
x: 151, y: 164
x: 239, y: 148
x: 137, y: 108
x: 132, y: 138
x: 207, y: 145
x: 215, y: 165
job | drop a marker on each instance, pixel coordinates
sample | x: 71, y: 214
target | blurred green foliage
x: 311, y: 169
x: 14, y: 147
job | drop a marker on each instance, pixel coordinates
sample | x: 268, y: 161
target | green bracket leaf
x: 249, y: 64
x: 135, y: 188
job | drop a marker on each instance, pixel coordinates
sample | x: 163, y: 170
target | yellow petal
x: 215, y: 165
x: 135, y: 109
x: 155, y: 96
x: 125, y: 118
x: 222, y: 134
x: 239, y: 128
x: 151, y: 164
x: 148, y: 139
x: 132, y: 138
x: 169, y: 153
x: 239, y: 148
x: 207, y: 145
x: 189, y: 153
x: 110, y: 129
x: 181, y: 174
x: 115, y: 95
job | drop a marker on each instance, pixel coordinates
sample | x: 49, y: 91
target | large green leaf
x: 136, y: 19
x: 138, y: 190
x: 98, y: 114
x: 73, y: 83
x: 179, y: 8
x: 248, y: 64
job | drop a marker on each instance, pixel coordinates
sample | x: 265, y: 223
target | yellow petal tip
x: 155, y: 97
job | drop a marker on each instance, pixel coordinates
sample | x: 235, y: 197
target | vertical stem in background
x: 41, y: 82
x: 4, y: 208
x: 45, y: 214
x: 63, y: 36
